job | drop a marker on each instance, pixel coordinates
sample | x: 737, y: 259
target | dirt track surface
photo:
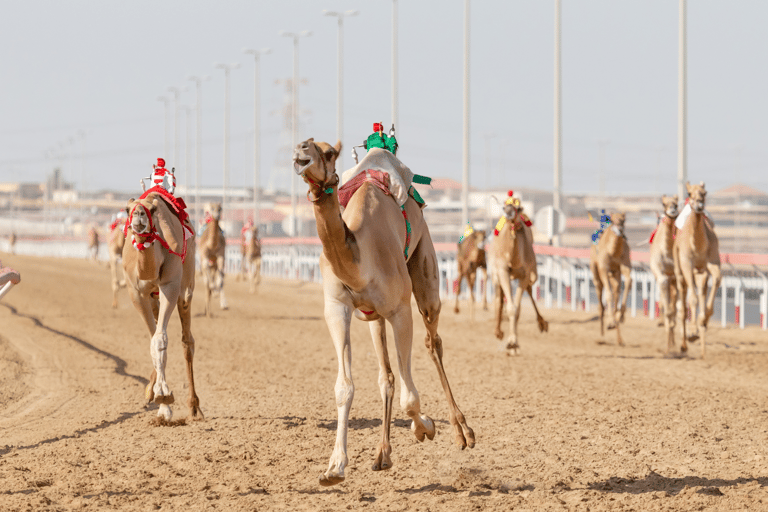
x: 573, y: 423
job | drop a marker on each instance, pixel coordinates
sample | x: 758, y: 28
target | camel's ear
x: 688, y: 187
x: 169, y: 226
x: 337, y: 147
x: 702, y: 183
x: 677, y: 199
x: 663, y: 198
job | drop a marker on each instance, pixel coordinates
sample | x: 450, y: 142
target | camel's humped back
x: 400, y: 176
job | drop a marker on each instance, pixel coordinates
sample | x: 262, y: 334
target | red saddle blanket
x: 378, y: 178
x: 176, y: 204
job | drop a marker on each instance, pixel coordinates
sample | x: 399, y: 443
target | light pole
x: 166, y: 101
x: 256, y: 130
x: 340, y: 85
x: 295, y: 116
x: 187, y: 118
x: 394, y: 66
x: 465, y: 164
x: 558, y: 148
x: 176, y: 91
x: 227, y: 68
x: 682, y: 124
x: 198, y: 139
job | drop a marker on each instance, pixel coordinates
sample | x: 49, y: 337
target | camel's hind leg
x: 424, y: 273
x: 543, y: 324
x: 597, y: 280
x: 185, y: 314
x: 471, y: 284
x: 458, y: 291
x: 387, y: 387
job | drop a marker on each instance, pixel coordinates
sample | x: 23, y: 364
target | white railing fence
x: 564, y: 282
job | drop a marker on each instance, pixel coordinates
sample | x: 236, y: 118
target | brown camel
x: 93, y: 243
x: 663, y: 265
x: 696, y: 257
x: 470, y: 258
x: 115, y: 251
x: 212, y: 249
x: 370, y: 266
x: 512, y: 257
x: 252, y: 256
x: 608, y: 261
x: 160, y: 269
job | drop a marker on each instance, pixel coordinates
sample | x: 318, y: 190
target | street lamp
x: 295, y: 115
x: 340, y: 86
x: 198, y: 142
x: 256, y: 130
x: 227, y: 68
x: 176, y: 91
x: 394, y: 65
x: 166, y: 100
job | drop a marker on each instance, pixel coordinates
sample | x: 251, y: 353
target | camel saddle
x: 387, y: 172
x: 177, y: 206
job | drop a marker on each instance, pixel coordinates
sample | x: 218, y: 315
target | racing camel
x: 608, y: 261
x: 115, y: 252
x: 251, y: 250
x: 159, y: 266
x: 697, y: 256
x: 663, y: 265
x: 371, y: 263
x: 212, y: 249
x: 93, y: 244
x: 512, y: 257
x: 470, y: 258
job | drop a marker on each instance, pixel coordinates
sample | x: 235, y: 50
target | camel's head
x: 670, y: 206
x: 617, y: 222
x: 139, y: 213
x: 316, y: 161
x: 697, y: 196
x: 214, y: 209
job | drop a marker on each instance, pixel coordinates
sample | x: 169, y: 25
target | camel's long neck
x: 146, y: 264
x: 699, y: 241
x: 615, y: 244
x: 338, y: 242
x: 666, y: 233
x: 214, y: 239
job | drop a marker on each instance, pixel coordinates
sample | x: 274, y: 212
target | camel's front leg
x: 207, y: 268
x: 387, y: 387
x: 220, y: 282
x: 693, y: 300
x: 498, y: 307
x: 614, y: 309
x: 402, y: 327
x: 669, y: 311
x: 506, y: 287
x: 597, y: 280
x: 338, y: 317
x: 543, y: 324
x: 169, y: 295
x: 471, y: 283
x: 518, y: 299
x: 458, y: 291
x: 714, y: 270
x: 701, y: 318
x: 185, y: 314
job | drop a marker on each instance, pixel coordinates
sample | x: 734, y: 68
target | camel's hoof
x: 327, y: 481
x: 513, y: 349
x: 683, y: 350
x: 499, y: 334
x: 427, y: 428
x: 382, y: 463
x: 456, y: 310
x: 693, y: 337
x: 543, y: 326
x: 196, y: 414
x: 611, y: 326
x: 164, y: 399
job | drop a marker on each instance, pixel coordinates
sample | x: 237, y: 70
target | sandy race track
x: 573, y: 423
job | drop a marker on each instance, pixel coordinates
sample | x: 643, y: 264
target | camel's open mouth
x: 300, y: 163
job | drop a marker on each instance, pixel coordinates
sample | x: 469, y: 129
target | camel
x: 512, y: 257
x: 663, y: 265
x: 159, y: 266
x: 696, y: 257
x: 470, y: 258
x: 93, y: 243
x: 251, y: 250
x: 608, y: 261
x: 371, y: 263
x: 212, y: 250
x: 115, y: 252
x: 12, y: 242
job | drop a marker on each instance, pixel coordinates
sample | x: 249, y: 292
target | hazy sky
x: 97, y: 67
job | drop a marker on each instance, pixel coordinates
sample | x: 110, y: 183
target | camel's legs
x: 543, y: 324
x: 338, y: 317
x: 668, y: 306
x: 220, y: 282
x: 701, y: 318
x: 169, y: 295
x: 471, y: 284
x: 513, y: 327
x: 206, y: 268
x: 714, y: 270
x: 458, y: 291
x: 423, y: 270
x: 693, y: 298
x: 614, y: 311
x: 185, y: 314
x: 506, y: 293
x: 254, y: 273
x: 599, y: 290
x: 387, y: 387
x: 498, y: 306
x: 626, y: 271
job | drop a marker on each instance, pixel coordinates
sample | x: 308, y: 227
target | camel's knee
x: 345, y: 392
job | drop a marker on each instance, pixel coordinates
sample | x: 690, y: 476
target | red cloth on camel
x: 378, y: 178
